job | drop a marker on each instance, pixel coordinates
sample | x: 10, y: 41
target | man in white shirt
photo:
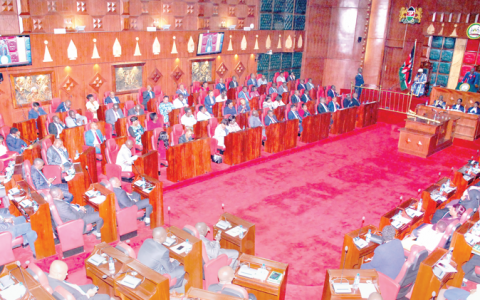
x: 125, y: 158
x: 180, y: 102
x: 429, y: 237
x: 222, y: 97
x: 203, y: 114
x: 262, y: 81
x: 310, y: 84
x: 188, y: 119
x: 74, y: 119
x: 280, y: 79
x: 220, y: 133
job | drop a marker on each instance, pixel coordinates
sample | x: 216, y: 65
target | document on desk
x: 6, y: 281
x: 181, y: 248
x: 130, y: 281
x: 223, y: 224
x: 366, y: 289
x: 446, y: 266
x: 13, y: 292
x: 235, y: 231
x: 170, y: 241
x: 96, y: 259
x: 98, y: 199
x: 412, y: 213
x: 26, y: 203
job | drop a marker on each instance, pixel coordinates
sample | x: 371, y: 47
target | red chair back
x: 157, y: 90
x: 213, y: 146
x: 46, y: 143
x: 111, y: 151
x: 6, y: 252
x: 177, y: 131
x: 127, y: 248
x: 212, y: 125
x: 113, y: 170
x: 50, y: 117
x: 55, y: 103
x: 140, y: 95
x: 128, y: 105
x: 40, y: 276
x: 216, y: 93
x: 4, y: 131
x: 28, y: 172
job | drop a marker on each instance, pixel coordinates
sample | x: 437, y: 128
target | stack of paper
x: 14, y: 292
x: 170, y: 241
x: 26, y: 203
x: 223, y: 224
x: 98, y: 199
x: 5, y: 282
x: 366, y: 289
x: 130, y: 281
x: 235, y: 231
x: 246, y: 271
x: 360, y: 243
x: 96, y: 259
x: 412, y: 213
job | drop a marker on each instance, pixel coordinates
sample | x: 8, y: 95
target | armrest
x: 64, y: 293
x: 51, y: 171
x: 171, y: 282
x: 71, y: 234
x: 388, y: 287
x: 85, y: 148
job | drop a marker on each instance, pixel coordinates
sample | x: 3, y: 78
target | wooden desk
x: 28, y: 130
x: 427, y: 282
x: 462, y: 252
x: 311, y: 107
x: 192, y: 262
x: 35, y: 288
x: 263, y: 289
x: 107, y: 212
x: 153, y: 285
x: 174, y: 116
x: 315, y: 127
x: 405, y: 229
x: 450, y: 96
x: 254, y: 103
x: 281, y: 136
x: 245, y: 245
x: 147, y: 141
x: 206, y: 295
x: 242, y: 146
x: 343, y: 120
x: 423, y: 138
x: 152, y: 105
x: 40, y: 220
x: 429, y: 205
x: 42, y: 124
x: 468, y: 125
x: 73, y: 139
x: 200, y: 129
x: 101, y: 112
x: 285, y: 98
x: 121, y: 127
x: 242, y: 120
x: 188, y: 160
x: 33, y: 151
x: 232, y: 93
x: 279, y: 112
x: 328, y: 292
x: 461, y: 183
x: 147, y: 164
x: 355, y: 257
x: 77, y: 186
x: 217, y: 109
x: 367, y: 114
x: 155, y: 198
x: 88, y: 159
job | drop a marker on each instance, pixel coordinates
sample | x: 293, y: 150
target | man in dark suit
x: 58, y: 273
x: 186, y: 137
x: 332, y: 93
x: 226, y: 275
x: 475, y: 109
x: 147, y: 95
x: 209, y: 102
x: 244, y: 94
x: 333, y: 106
x: 14, y: 142
x: 57, y: 155
x: 301, y: 85
x: 295, y: 97
x: 440, y: 103
x: 306, y: 97
x: 252, y: 80
x: 270, y: 118
x: 233, y: 83
x: 18, y: 226
x: 157, y: 257
x: 291, y: 77
x: 135, y: 111
x: 113, y: 114
x: 41, y: 182
x: 126, y: 200
x: 56, y: 127
x: 64, y: 106
x: 347, y: 102
x: 69, y: 212
x: 469, y: 199
x: 322, y: 106
x: 459, y: 106
x: 36, y: 111
x: 355, y: 101
x: 293, y: 114
x: 111, y: 99
x: 306, y: 113
x: 273, y: 89
x: 359, y: 81
x: 389, y: 257
x: 220, y: 85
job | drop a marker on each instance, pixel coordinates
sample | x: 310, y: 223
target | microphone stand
x: 19, y: 266
x: 89, y: 176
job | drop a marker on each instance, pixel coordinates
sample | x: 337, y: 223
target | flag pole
x: 413, y: 62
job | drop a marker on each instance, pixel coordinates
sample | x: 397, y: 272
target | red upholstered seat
x: 464, y: 70
x: 127, y: 248
x: 48, y: 171
x: 6, y: 252
x: 157, y: 90
x: 114, y: 170
x: 469, y: 58
x: 55, y: 103
x: 128, y: 105
x: 177, y: 131
x: 140, y: 95
x: 159, y: 147
x: 111, y: 151
x: 40, y: 277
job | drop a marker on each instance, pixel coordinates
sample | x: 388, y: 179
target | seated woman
x: 92, y: 105
x: 233, y: 125
x: 163, y: 140
x: 254, y: 92
x: 229, y: 108
x: 278, y: 102
x: 204, y: 88
x: 136, y: 130
x: 268, y: 103
x: 153, y: 122
x: 222, y: 97
x: 243, y: 107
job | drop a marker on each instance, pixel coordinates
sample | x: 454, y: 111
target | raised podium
x: 242, y: 146
x: 315, y: 127
x: 281, y: 136
x: 188, y: 160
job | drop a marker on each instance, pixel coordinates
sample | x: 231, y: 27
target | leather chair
x: 126, y: 217
x: 114, y: 170
x: 48, y: 170
x: 216, y: 93
x: 160, y: 148
x: 157, y: 90
x: 6, y: 252
x: 274, y: 96
x: 2, y: 121
x: 126, y: 249
x: 399, y: 287
x: 448, y: 234
x: 39, y: 276
x: 211, y: 266
x: 237, y: 288
x: 55, y: 103
x: 5, y: 131
x: 177, y: 131
x: 64, y: 293
x: 128, y: 105
x: 111, y: 151
x: 195, y: 86
x: 140, y: 95
x: 466, y: 215
x: 70, y: 234
x: 212, y: 125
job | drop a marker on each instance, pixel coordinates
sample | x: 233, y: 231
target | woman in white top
x: 280, y: 79
x: 278, y: 102
x: 180, y: 102
x: 222, y: 97
x: 188, y: 119
x: 203, y: 114
x: 268, y: 103
x: 220, y: 132
x: 233, y: 125
x: 92, y: 105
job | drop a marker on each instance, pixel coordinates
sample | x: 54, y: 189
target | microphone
x: 139, y: 174
x: 169, y: 223
x: 401, y: 199
x: 363, y: 221
x: 19, y: 266
x: 344, y: 260
x: 89, y: 176
x: 223, y: 208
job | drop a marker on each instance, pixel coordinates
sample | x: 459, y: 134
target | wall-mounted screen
x: 210, y: 43
x: 15, y: 51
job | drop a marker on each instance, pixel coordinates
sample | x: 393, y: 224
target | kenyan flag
x: 405, y: 72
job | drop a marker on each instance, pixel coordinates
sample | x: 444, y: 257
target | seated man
x: 459, y: 106
x: 270, y: 118
x: 439, y: 103
x: 229, y: 109
x: 278, y: 102
x: 203, y: 114
x: 210, y: 101
x: 306, y: 98
x: 293, y: 114
x: 267, y: 103
x: 355, y: 101
x: 41, y: 182
x: 128, y: 200
x: 64, y: 106
x: 188, y: 119
x: 186, y: 137
x: 389, y: 257
x: 469, y: 199
x: 243, y: 107
x: 301, y: 85
x: 221, y: 133
x: 310, y: 84
x: 112, y: 99
x: 333, y: 106
x: 306, y: 113
x: 225, y: 276
x: 57, y: 155
x: 18, y: 226
x: 262, y: 81
x: 147, y: 95
x: 113, y: 114
x: 244, y: 94
x: 282, y: 89
x: 94, y: 137
x: 136, y: 130
x: 135, y: 111
x: 322, y: 107
x: 36, y: 111
x: 254, y: 121
x: 332, y: 93
x: 182, y: 91
x: 252, y: 80
x: 220, y: 85
x: 74, y: 119
x: 213, y: 247
x: 233, y: 125
x: 157, y: 257
x: 221, y: 98
x: 295, y: 97
x: 280, y: 78
x: 233, y: 83
x: 254, y: 93
x: 56, y: 127
x: 475, y: 109
x: 69, y: 212
x: 124, y: 156
x: 347, y: 102
x: 429, y: 237
x: 57, y: 276
x: 14, y: 142
x: 273, y: 89
x: 164, y: 108
x: 180, y: 102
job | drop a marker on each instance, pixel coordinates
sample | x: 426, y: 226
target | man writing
x: 124, y: 156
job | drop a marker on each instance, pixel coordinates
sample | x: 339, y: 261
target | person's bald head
x: 56, y: 193
x: 202, y: 228
x: 58, y: 270
x: 68, y: 103
x: 58, y: 143
x: 159, y: 235
x: 138, y: 107
x: 38, y: 163
x: 115, y: 182
x: 226, y: 275
x: 129, y: 144
x: 375, y: 296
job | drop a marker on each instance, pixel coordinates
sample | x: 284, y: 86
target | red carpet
x: 304, y: 202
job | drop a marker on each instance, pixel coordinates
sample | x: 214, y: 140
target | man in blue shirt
x: 36, y: 111
x: 14, y: 142
x: 293, y: 114
x: 220, y: 85
x: 472, y: 79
